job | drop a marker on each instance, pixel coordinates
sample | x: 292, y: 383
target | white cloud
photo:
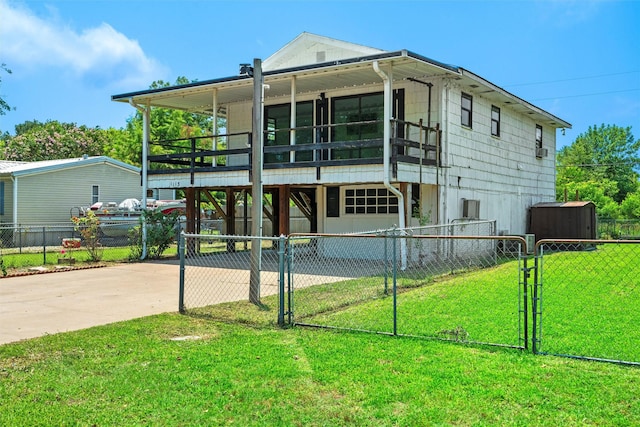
x: 100, y: 55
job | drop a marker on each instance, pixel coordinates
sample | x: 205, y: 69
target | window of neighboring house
x: 95, y: 194
x: 357, y: 118
x: 538, y: 136
x: 370, y: 201
x: 495, y: 121
x: 277, y: 123
x: 466, y: 109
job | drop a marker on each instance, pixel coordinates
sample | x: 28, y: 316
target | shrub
x: 89, y: 228
x: 161, y: 233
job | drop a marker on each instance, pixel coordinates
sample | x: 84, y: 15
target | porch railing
x: 410, y: 143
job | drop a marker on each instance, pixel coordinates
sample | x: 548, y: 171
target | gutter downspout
x: 145, y: 149
x: 386, y: 141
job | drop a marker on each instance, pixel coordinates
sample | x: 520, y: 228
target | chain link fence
x: 460, y: 288
x: 587, y: 300
x: 217, y: 269
x: 28, y: 245
x: 572, y: 298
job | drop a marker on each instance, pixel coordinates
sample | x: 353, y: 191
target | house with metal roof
x: 358, y: 138
x: 47, y: 191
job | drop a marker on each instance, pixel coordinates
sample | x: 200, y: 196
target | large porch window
x: 357, y: 118
x: 277, y: 124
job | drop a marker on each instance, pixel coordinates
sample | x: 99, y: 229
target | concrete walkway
x: 41, y: 304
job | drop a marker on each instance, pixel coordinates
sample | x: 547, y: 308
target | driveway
x: 41, y: 304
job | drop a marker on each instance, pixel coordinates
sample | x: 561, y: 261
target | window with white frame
x: 362, y: 201
x: 495, y: 121
x: 466, y: 106
x: 95, y: 194
x: 538, y: 136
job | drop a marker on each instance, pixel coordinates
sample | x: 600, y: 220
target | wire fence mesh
x: 428, y: 286
x: 217, y: 269
x: 27, y: 245
x: 573, y: 298
x: 587, y: 299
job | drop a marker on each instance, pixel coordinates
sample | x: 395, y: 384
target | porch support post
x: 284, y: 194
x: 214, y: 127
x: 256, y: 184
x: 190, y: 195
x: 292, y: 133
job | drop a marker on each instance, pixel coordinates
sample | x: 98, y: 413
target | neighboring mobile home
x: 47, y: 191
x: 359, y: 139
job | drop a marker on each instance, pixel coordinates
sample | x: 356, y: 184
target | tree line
x: 35, y: 140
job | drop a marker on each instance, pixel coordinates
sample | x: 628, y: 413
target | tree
x: 172, y: 124
x: 4, y: 107
x: 53, y: 140
x: 607, y: 152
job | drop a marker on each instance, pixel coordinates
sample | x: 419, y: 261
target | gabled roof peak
x: 308, y: 48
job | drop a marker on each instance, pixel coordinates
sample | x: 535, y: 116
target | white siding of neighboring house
x: 50, y: 196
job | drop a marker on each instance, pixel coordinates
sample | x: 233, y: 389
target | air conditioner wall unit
x: 542, y: 152
x: 470, y: 209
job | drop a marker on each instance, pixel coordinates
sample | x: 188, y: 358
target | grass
x: 245, y: 371
x: 20, y: 261
x: 590, y: 300
x: 133, y: 373
x: 479, y: 306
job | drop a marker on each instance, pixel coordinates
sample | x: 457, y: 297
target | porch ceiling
x: 317, y: 78
x: 198, y: 97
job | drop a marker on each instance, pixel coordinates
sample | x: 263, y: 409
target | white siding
x: 50, y: 196
x: 502, y: 172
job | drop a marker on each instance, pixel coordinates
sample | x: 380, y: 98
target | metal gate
x: 470, y: 289
x: 586, y: 300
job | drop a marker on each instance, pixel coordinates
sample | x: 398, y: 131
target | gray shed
x: 563, y: 220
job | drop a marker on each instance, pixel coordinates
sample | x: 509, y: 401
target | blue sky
x: 577, y: 59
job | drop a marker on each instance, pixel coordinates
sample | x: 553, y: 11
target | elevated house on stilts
x: 358, y: 139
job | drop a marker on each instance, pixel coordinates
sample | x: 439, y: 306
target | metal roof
x: 325, y: 76
x: 572, y: 204
x: 29, y: 168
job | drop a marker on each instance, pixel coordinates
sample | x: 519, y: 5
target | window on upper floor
x: 495, y: 121
x: 466, y: 105
x: 357, y: 118
x: 540, y: 151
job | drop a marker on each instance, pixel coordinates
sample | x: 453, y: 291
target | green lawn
x: 244, y: 371
x: 132, y: 373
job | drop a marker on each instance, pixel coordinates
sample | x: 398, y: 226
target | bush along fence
x: 576, y: 299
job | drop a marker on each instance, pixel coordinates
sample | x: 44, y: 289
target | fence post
x: 395, y: 294
x: 290, y: 287
x: 523, y: 301
x: 281, y: 246
x: 534, y: 304
x: 386, y: 264
x: 44, y: 245
x: 181, y: 250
